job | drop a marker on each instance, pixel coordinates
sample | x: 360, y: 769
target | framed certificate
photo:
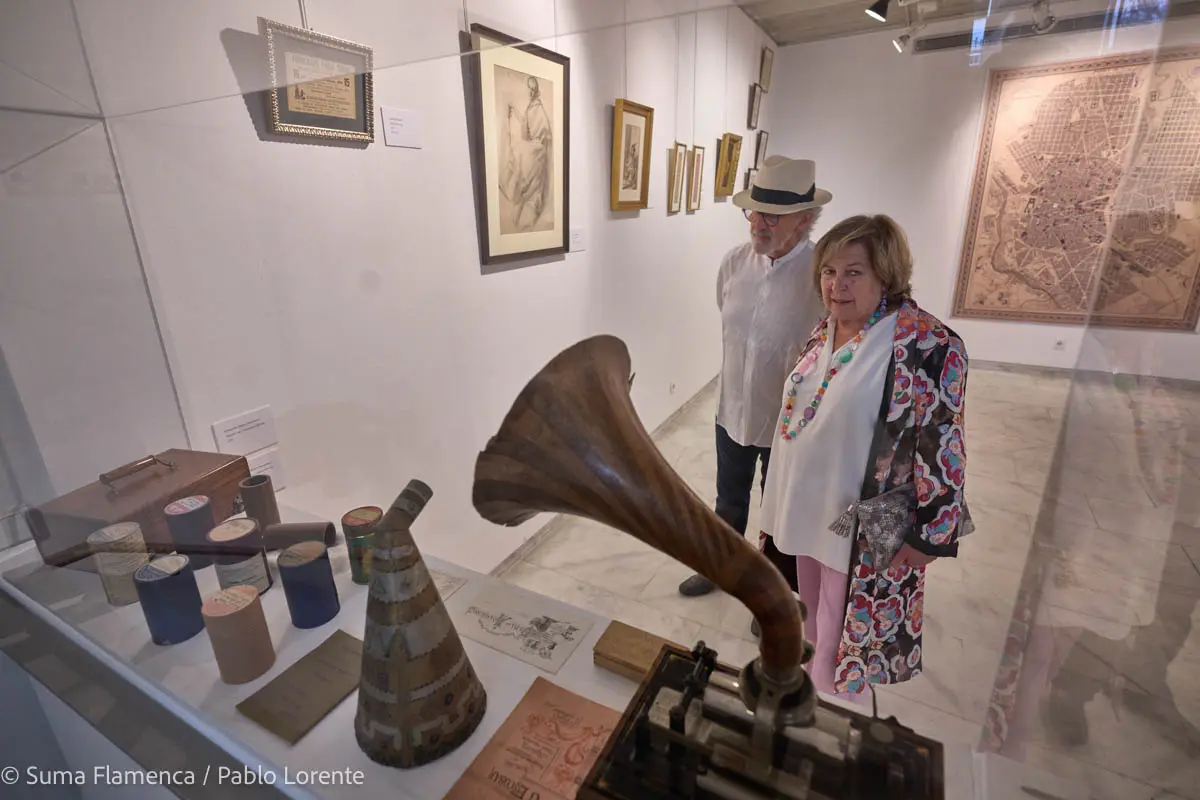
x: 320, y: 85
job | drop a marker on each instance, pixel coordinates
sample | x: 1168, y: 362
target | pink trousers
x: 823, y: 592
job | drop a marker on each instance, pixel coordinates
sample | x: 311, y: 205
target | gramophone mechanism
x: 689, y: 734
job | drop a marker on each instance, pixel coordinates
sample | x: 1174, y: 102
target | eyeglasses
x: 770, y: 220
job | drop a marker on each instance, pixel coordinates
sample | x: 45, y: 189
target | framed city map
x: 1085, y: 205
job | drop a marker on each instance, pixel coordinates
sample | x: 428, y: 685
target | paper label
x: 320, y: 86
x: 251, y: 572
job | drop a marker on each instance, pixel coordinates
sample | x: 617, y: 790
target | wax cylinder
x: 170, y: 599
x: 308, y: 584
x: 238, y: 555
x: 189, y: 519
x: 237, y: 628
x: 286, y: 534
x: 258, y: 495
x: 120, y: 551
x: 358, y: 528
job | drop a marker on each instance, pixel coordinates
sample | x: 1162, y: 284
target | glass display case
x: 320, y: 247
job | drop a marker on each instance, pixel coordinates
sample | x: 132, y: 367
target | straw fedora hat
x: 783, y: 186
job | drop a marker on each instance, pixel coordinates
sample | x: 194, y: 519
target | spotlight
x: 902, y: 42
x: 1043, y: 19
x: 879, y: 10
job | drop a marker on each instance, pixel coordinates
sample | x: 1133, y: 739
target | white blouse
x: 816, y: 476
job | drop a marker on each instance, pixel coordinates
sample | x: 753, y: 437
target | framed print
x: 676, y: 177
x: 750, y: 173
x: 756, y: 93
x: 520, y: 136
x: 727, y: 164
x: 321, y: 87
x: 760, y: 149
x: 695, y: 177
x: 764, y: 69
x: 633, y: 127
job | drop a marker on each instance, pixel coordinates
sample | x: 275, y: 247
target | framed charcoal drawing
x: 321, y: 87
x: 750, y: 173
x: 760, y: 149
x: 727, y: 164
x: 695, y: 177
x: 676, y: 177
x: 756, y: 93
x: 633, y: 128
x: 765, y: 68
x: 520, y: 138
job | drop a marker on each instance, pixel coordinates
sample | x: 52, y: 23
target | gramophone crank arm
x: 572, y: 443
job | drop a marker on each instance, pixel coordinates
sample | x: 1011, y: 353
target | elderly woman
x: 874, y: 405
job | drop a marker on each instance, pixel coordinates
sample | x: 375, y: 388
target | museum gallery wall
x: 341, y: 282
x: 924, y: 171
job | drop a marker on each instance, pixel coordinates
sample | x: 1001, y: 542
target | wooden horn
x: 573, y: 444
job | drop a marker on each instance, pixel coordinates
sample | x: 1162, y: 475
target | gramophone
x: 572, y: 443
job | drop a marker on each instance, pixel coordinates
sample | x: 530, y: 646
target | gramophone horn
x: 572, y: 443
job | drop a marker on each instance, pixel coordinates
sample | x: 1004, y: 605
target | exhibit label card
x: 300, y: 697
x: 544, y: 749
x: 535, y: 629
x: 247, y: 432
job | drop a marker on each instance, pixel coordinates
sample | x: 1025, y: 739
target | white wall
x: 343, y: 287
x: 898, y: 135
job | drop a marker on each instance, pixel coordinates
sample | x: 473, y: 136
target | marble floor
x: 1067, y: 632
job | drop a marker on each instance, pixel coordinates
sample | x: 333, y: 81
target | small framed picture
x: 764, y: 70
x: 321, y: 87
x: 750, y: 173
x: 760, y: 149
x: 756, y: 93
x: 633, y: 127
x: 676, y: 177
x: 695, y: 177
x: 727, y: 164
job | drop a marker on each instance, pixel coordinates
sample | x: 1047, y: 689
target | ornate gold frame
x: 268, y: 30
x: 620, y: 107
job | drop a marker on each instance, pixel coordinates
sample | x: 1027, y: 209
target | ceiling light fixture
x: 1043, y: 19
x: 878, y: 10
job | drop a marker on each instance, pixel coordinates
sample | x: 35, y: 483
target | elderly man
x: 768, y: 308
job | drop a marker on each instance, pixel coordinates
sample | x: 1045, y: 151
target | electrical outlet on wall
x: 1059, y: 344
x: 672, y: 388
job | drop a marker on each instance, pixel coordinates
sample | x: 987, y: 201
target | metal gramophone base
x: 696, y: 755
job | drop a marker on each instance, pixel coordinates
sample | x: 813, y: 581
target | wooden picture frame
x: 695, y: 177
x: 760, y: 149
x: 676, y: 177
x: 727, y: 164
x: 765, y: 68
x: 321, y: 86
x: 633, y: 136
x: 520, y: 138
x: 756, y: 93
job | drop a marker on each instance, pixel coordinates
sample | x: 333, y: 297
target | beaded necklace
x: 839, y: 359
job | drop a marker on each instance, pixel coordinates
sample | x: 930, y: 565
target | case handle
x: 132, y: 468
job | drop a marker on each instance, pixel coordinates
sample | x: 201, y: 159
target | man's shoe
x: 696, y: 586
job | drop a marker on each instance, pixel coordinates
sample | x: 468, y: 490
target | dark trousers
x: 736, y: 465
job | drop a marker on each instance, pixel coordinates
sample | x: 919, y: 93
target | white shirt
x: 768, y: 309
x: 816, y: 476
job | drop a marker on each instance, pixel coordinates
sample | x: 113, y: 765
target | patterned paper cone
x: 419, y: 697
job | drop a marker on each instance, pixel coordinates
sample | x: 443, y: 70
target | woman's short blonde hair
x: 886, y: 245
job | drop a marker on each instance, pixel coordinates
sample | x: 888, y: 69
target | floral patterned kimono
x: 919, y: 438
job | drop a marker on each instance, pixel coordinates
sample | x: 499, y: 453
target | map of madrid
x: 1085, y: 206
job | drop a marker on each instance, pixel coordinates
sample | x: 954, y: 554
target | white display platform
x: 188, y: 675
